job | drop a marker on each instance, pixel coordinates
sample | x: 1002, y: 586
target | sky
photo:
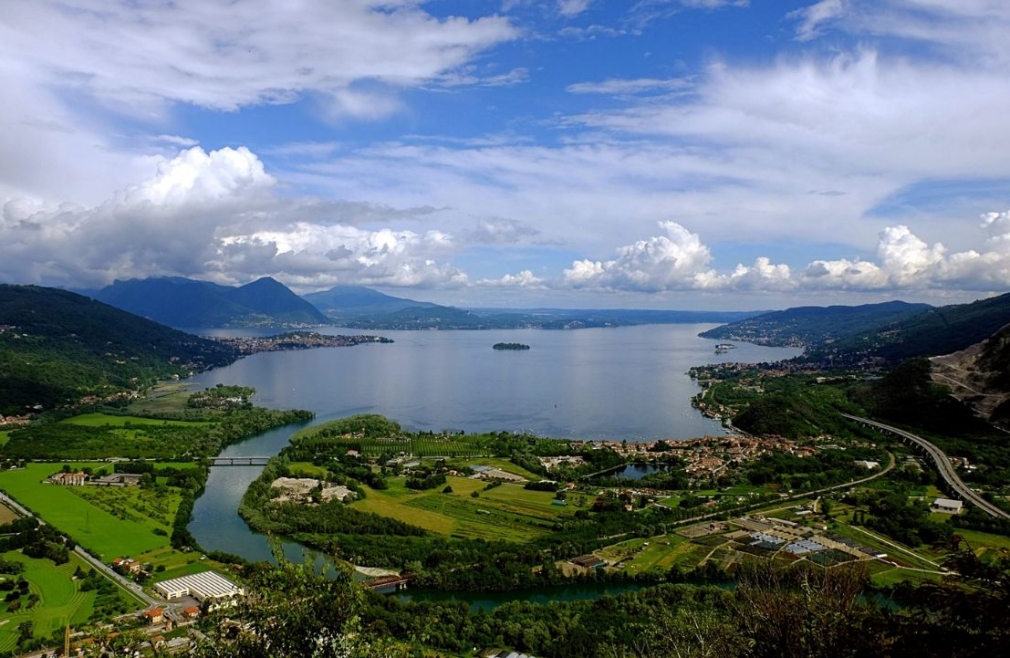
x: 681, y: 154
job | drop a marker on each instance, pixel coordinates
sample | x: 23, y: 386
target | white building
x: 206, y: 586
x: 947, y: 506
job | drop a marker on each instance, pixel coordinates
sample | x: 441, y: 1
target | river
x: 621, y: 383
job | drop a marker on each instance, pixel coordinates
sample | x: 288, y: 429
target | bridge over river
x: 239, y: 461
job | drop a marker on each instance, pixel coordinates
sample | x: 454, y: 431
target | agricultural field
x: 6, y: 514
x: 163, y: 399
x: 60, y: 599
x: 495, y: 462
x: 506, y: 512
x: 153, y: 508
x: 87, y: 523
x: 655, y: 554
x: 106, y: 420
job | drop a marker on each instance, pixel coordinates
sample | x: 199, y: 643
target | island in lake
x: 510, y: 346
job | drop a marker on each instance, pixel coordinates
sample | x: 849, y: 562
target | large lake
x: 622, y: 383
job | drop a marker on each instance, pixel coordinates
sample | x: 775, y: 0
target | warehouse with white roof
x: 207, y: 586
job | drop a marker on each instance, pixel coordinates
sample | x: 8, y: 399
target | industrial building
x: 208, y: 586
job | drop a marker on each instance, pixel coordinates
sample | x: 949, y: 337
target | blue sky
x: 650, y: 153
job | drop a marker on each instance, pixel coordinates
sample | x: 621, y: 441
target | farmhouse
x: 947, y: 506
x: 205, y: 587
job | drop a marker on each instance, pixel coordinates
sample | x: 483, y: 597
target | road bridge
x: 239, y: 461
x: 943, y: 465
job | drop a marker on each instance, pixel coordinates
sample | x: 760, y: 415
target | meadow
x: 107, y: 420
x: 4, y: 438
x: 93, y: 527
x: 507, y: 512
x: 61, y: 600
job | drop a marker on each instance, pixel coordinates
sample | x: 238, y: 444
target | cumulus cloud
x: 904, y: 262
x: 217, y: 214
x: 524, y: 279
x: 666, y: 262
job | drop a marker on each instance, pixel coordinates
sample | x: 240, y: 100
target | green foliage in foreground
x: 797, y: 612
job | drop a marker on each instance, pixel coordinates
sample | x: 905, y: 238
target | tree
x: 26, y: 630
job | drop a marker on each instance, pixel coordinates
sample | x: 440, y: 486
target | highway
x: 943, y: 465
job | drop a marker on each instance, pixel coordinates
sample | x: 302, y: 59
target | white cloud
x: 636, y: 86
x: 524, y: 279
x: 218, y: 54
x: 501, y: 230
x: 811, y: 19
x: 219, y: 215
x: 573, y: 7
x: 666, y: 262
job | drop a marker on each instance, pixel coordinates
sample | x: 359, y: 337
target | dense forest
x: 57, y: 347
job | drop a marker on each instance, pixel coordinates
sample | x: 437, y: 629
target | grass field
x: 507, y: 512
x: 60, y: 599
x: 91, y: 526
x: 102, y: 420
x: 145, y: 506
x: 4, y: 438
x: 164, y: 398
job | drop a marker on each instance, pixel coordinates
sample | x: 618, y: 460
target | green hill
x: 344, y: 302
x: 57, y: 346
x: 808, y: 326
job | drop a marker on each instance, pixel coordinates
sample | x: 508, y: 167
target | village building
x: 947, y: 506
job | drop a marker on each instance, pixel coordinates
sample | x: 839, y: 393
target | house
x: 589, y: 562
x: 191, y: 612
x: 153, y: 616
x: 947, y: 506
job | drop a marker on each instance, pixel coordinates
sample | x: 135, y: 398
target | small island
x: 510, y: 346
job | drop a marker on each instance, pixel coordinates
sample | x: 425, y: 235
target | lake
x: 619, y: 383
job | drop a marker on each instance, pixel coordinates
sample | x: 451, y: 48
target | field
x: 60, y: 599
x: 507, y: 512
x: 6, y: 514
x: 103, y: 420
x: 655, y: 554
x: 93, y: 527
x: 163, y: 399
x: 4, y: 437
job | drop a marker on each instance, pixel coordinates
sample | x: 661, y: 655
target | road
x: 133, y: 588
x: 943, y: 465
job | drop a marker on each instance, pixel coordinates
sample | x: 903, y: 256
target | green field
x: 4, y: 438
x: 91, y: 526
x: 103, y: 420
x: 163, y: 399
x: 60, y: 599
x: 507, y: 512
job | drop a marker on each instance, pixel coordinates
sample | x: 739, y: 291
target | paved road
x: 943, y: 465
x: 130, y: 586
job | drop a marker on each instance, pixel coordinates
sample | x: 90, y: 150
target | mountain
x: 57, y: 347
x: 344, y: 302
x: 809, y: 326
x: 181, y: 302
x: 933, y: 332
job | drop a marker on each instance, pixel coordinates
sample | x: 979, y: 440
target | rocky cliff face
x: 980, y: 375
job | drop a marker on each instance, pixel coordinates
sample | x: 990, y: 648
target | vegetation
x: 57, y: 347
x: 510, y: 346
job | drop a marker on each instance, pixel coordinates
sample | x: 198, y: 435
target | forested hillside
x: 57, y: 346
x: 808, y: 326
